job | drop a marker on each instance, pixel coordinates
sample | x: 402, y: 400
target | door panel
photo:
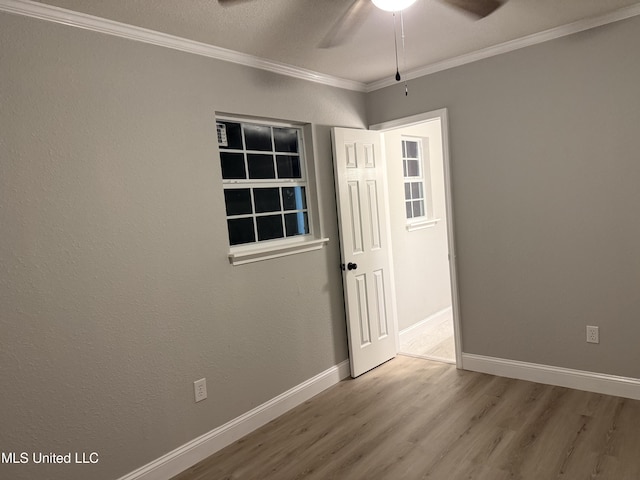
x: 374, y: 217
x: 365, y: 247
x: 355, y: 213
x: 363, y: 311
x: 381, y: 308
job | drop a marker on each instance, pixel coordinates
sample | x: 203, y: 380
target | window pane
x: 232, y: 165
x: 260, y: 166
x: 241, y: 230
x: 267, y: 199
x: 286, y: 140
x: 411, y: 150
x: 234, y: 135
x: 288, y: 166
x: 404, y: 148
x: 416, y: 190
x: 296, y: 223
x: 269, y: 227
x: 413, y: 168
x: 418, y: 208
x: 294, y: 198
x: 238, y: 201
x: 409, y: 210
x: 262, y: 170
x: 257, y: 137
x: 407, y: 191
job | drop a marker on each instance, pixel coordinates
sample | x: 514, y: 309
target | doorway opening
x: 417, y: 159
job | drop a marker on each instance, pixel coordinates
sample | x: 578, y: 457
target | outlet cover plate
x: 593, y: 334
x: 200, y: 389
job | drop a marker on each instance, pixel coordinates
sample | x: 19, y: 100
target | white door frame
x: 441, y: 114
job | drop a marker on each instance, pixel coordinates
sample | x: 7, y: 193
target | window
x: 417, y: 185
x: 266, y: 189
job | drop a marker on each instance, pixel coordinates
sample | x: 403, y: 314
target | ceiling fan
x: 359, y: 9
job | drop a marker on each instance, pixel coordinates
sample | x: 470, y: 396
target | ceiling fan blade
x: 478, y: 8
x: 346, y: 24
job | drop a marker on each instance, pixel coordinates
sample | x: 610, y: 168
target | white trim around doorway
x: 441, y: 114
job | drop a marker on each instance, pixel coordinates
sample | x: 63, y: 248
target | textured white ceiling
x: 289, y: 31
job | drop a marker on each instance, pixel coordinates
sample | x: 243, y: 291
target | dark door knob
x: 352, y: 266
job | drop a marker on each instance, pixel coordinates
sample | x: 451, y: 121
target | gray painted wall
x: 115, y: 288
x: 545, y: 174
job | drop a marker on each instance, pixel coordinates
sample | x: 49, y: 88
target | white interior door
x: 360, y: 174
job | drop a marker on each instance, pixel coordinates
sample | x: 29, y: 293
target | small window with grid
x: 264, y: 180
x: 417, y: 183
x: 414, y: 191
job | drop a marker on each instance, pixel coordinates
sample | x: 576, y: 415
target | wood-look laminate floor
x: 415, y: 419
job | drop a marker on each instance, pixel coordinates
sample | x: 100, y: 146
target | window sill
x: 257, y: 254
x: 411, y: 227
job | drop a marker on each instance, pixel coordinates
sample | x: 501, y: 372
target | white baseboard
x: 563, y: 377
x: 200, y: 448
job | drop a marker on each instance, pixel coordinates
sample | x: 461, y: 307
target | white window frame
x: 268, y: 249
x: 427, y: 220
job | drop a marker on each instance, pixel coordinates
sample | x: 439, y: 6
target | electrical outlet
x: 200, y: 389
x: 593, y: 334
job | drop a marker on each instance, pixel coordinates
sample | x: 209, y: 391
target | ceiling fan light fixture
x: 393, y: 5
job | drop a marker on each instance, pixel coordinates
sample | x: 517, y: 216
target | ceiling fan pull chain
x: 404, y: 55
x: 395, y: 43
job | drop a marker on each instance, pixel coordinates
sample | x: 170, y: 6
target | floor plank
x: 416, y: 419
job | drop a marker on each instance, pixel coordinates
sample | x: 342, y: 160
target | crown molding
x: 510, y: 46
x: 63, y: 16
